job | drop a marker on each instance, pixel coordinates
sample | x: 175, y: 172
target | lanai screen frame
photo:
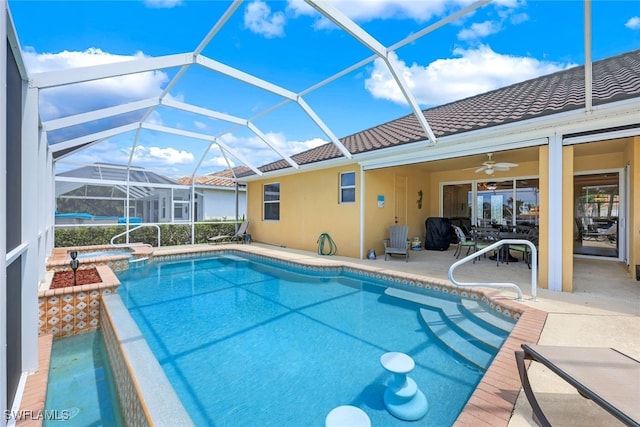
x: 64, y: 148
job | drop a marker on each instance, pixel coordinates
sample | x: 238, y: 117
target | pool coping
x: 35, y: 391
x: 493, y: 401
x: 144, y: 392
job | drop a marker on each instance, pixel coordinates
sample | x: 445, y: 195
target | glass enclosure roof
x: 188, y: 87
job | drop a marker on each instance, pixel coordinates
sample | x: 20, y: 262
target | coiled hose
x: 326, y: 240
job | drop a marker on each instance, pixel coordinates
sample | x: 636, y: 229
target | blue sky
x: 291, y: 45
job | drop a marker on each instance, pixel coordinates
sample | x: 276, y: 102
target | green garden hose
x: 323, y: 240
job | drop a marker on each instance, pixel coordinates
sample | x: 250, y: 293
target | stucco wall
x: 309, y: 206
x: 632, y: 154
x: 381, y: 182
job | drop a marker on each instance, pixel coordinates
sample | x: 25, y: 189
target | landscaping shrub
x: 170, y: 234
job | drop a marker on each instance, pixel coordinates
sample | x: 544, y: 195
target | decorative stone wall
x: 73, y: 309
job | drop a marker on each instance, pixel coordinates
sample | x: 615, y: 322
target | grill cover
x: 438, y: 236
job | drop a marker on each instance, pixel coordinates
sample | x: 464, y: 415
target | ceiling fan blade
x: 506, y: 164
x: 501, y: 168
x: 481, y: 168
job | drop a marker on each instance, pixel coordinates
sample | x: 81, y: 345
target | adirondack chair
x: 397, y: 243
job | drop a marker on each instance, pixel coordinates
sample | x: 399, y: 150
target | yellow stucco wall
x: 567, y: 218
x: 309, y: 206
x: 381, y: 182
x: 632, y: 153
x: 543, y: 226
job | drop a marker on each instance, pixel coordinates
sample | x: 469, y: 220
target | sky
x: 291, y: 45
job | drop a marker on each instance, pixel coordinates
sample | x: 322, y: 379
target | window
x: 348, y: 187
x: 271, y: 200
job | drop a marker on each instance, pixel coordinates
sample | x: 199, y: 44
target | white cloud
x: 479, y: 30
x: 367, y: 10
x: 633, y: 23
x: 88, y: 96
x: 259, y: 18
x: 257, y: 151
x: 474, y: 71
x: 162, y: 156
x: 200, y: 125
x: 162, y: 4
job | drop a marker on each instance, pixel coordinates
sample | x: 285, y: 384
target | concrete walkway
x: 603, y: 311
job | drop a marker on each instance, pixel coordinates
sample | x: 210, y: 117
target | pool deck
x: 602, y: 311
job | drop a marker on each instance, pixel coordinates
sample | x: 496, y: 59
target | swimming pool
x: 80, y: 389
x: 247, y: 343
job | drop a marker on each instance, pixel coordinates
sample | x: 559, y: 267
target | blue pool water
x: 248, y: 344
x: 96, y: 254
x: 81, y: 390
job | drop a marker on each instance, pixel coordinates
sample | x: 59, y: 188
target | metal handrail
x: 133, y: 229
x: 493, y: 246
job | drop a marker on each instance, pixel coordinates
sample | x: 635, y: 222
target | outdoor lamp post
x: 74, y: 264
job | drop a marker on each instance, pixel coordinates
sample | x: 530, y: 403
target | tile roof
x: 217, y: 179
x: 614, y: 79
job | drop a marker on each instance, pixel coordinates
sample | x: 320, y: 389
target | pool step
x: 465, y: 321
x: 493, y: 319
x: 458, y: 329
x: 234, y: 257
x: 138, y: 262
x: 454, y: 341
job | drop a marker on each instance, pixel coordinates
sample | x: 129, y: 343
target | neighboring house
x: 217, y: 196
x: 575, y: 159
x: 97, y: 194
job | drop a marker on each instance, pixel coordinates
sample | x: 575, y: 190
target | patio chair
x: 606, y: 376
x: 240, y: 235
x: 532, y: 236
x: 483, y: 237
x: 397, y: 243
x: 463, y: 242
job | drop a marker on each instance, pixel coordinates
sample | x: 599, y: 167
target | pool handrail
x: 494, y: 246
x: 129, y: 231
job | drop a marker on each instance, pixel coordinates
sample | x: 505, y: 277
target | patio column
x: 555, y: 214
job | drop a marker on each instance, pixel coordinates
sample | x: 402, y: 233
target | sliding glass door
x: 597, y: 214
x: 497, y: 203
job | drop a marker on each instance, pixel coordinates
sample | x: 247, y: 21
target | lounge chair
x: 240, y: 235
x: 609, y: 378
x: 397, y: 243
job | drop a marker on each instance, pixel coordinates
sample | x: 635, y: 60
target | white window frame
x: 264, y: 202
x: 345, y: 187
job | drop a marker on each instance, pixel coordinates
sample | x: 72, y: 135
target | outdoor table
x: 504, y: 250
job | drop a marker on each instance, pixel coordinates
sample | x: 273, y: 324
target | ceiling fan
x: 490, y: 166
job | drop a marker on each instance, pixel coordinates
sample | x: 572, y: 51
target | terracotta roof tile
x: 614, y: 79
x: 222, y: 178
